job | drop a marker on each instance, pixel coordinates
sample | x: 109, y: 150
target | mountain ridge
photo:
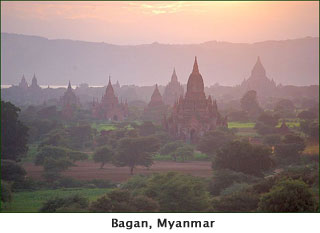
x: 55, y: 61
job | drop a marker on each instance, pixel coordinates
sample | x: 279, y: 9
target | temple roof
x: 195, y: 66
x: 258, y: 69
x: 156, y: 98
x: 109, y: 90
x: 174, y: 77
x: 195, y: 81
x: 34, y: 81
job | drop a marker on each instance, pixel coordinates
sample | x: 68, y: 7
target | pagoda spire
x: 174, y: 77
x: 195, y: 66
x: 258, y: 69
x: 109, y: 89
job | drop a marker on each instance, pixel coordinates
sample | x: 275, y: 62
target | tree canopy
x: 103, y: 155
x: 243, y: 157
x: 14, y: 134
x: 288, y: 196
x: 249, y: 103
x: 132, y: 152
x: 212, y: 141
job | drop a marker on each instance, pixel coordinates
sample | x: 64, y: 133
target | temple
x: 258, y: 81
x: 156, y: 108
x: 34, y: 84
x: 69, y: 103
x: 194, y: 114
x: 23, y: 83
x: 173, y: 90
x: 109, y: 108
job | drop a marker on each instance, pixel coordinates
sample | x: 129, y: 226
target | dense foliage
x: 288, y: 196
x: 241, y: 156
x: 14, y: 134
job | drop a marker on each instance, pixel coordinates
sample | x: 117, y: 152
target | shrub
x: 6, y: 194
x: 121, y: 200
x: 178, y: 193
x: 288, y: 196
x: 236, y: 202
x: 224, y: 178
x: 241, y: 156
x: 73, y: 203
x: 12, y: 171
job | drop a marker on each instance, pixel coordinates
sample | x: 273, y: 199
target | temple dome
x: 195, y: 81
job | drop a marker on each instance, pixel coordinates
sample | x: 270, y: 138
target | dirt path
x: 88, y: 170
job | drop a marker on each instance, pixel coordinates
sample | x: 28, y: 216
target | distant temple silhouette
x: 156, y: 108
x: 173, y: 90
x: 109, y: 108
x: 194, y: 114
x: 69, y: 102
x: 258, y: 81
x: 23, y: 83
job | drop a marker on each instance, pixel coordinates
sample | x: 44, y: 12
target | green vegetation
x: 240, y: 125
x: 290, y: 122
x: 32, y: 201
x: 102, y: 126
x: 31, y: 154
x: 14, y: 134
x: 288, y: 196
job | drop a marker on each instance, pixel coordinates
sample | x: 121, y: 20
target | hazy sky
x: 164, y: 22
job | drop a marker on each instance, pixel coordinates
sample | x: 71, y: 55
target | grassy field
x: 245, y: 129
x: 103, y: 126
x: 241, y: 125
x: 291, y: 123
x: 198, y: 156
x: 31, y: 201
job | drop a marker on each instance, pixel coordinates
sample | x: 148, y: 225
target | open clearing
x: 87, y: 170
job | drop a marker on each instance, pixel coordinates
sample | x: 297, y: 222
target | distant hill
x: 55, y: 62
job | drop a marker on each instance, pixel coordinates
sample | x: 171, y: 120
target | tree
x: 311, y: 129
x: 80, y: 136
x: 249, y: 103
x: 184, y: 152
x: 242, y: 201
x: 11, y: 171
x: 6, y: 193
x: 103, y: 155
x: 290, y: 148
x: 285, y: 108
x: 223, y: 178
x: 132, y: 152
x: 241, y: 116
x: 170, y: 147
x: 307, y: 115
x: 56, y: 160
x: 147, y: 128
x: 71, y: 204
x: 121, y: 200
x: 212, y: 141
x: 177, y: 149
x: 268, y: 119
x: 288, y: 196
x: 178, y: 193
x: 38, y: 128
x: 243, y: 157
x: 264, y: 129
x: 272, y: 139
x: 14, y: 134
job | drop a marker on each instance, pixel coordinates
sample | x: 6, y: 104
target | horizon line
x: 160, y: 43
